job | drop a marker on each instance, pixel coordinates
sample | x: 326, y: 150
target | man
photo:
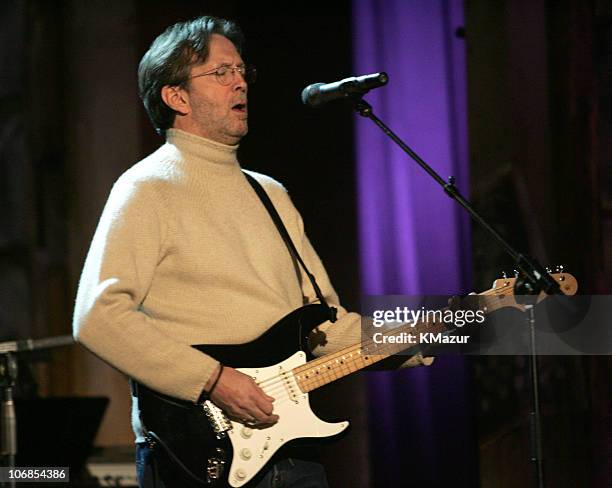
x: 185, y: 253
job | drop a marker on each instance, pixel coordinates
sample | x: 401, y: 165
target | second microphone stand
x: 534, y: 277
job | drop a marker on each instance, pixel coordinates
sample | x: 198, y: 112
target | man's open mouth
x: 240, y: 107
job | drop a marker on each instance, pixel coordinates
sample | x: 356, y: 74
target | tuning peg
x: 516, y: 273
x: 559, y: 268
x: 504, y: 275
x: 548, y: 269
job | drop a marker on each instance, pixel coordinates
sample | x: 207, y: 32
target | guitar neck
x: 324, y: 370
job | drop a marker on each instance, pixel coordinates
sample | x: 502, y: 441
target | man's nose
x: 240, y: 81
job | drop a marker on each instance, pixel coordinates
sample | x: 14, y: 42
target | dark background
x: 540, y: 128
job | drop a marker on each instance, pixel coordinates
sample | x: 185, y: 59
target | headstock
x: 503, y: 290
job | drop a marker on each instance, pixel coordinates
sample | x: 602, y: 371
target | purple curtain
x: 413, y: 238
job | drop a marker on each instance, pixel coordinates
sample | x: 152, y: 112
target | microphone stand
x: 8, y: 378
x: 534, y: 277
x: 8, y: 419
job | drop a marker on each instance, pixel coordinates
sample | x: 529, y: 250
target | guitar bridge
x: 218, y: 421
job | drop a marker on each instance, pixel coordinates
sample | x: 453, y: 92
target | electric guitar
x: 216, y: 451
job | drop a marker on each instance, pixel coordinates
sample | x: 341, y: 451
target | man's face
x: 217, y: 112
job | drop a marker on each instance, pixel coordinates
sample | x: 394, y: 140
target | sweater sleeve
x: 128, y: 244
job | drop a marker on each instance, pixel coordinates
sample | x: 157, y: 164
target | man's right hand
x: 240, y: 397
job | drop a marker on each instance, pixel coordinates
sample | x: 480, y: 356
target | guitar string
x: 347, y: 361
x: 281, y: 394
x: 272, y: 383
x: 344, y: 354
x: 269, y: 385
x: 283, y: 388
x: 283, y: 381
x: 287, y: 396
x: 280, y: 382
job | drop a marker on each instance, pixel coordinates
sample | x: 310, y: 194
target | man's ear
x: 176, y: 98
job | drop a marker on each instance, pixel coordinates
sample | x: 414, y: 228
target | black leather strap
x: 265, y: 199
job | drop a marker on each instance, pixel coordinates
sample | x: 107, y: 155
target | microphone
x: 320, y: 93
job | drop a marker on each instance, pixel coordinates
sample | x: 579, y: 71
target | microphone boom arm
x: 536, y: 276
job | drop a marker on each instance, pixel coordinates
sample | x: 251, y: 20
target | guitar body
x: 219, y: 452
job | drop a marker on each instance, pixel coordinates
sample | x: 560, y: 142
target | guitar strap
x: 265, y: 199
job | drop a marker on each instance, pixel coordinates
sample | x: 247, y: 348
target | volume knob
x: 240, y: 474
x: 246, y: 454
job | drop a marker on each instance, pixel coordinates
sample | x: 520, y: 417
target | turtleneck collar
x: 199, y: 147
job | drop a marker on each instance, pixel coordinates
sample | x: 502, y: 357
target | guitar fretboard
x: 322, y: 371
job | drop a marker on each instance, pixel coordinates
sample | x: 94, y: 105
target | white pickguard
x: 254, y: 447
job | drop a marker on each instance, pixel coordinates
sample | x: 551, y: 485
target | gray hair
x: 170, y: 58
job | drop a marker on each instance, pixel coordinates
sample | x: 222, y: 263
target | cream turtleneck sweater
x: 185, y: 253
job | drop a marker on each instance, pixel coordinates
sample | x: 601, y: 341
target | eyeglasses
x: 226, y: 74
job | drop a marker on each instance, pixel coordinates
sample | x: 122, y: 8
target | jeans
x: 286, y: 473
